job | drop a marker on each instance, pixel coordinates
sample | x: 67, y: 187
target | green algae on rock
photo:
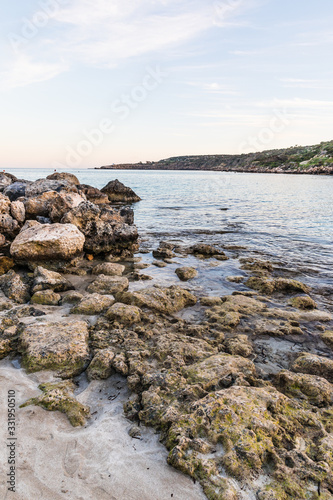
x: 165, y: 300
x: 314, y: 365
x: 317, y: 390
x: 59, y: 397
x: 101, y: 367
x: 61, y: 346
x: 276, y: 285
x: 303, y: 302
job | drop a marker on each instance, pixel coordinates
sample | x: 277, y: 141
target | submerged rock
x: 118, y: 192
x: 47, y: 242
x: 59, y: 397
x: 165, y: 300
x: 186, y: 273
x: 61, y: 346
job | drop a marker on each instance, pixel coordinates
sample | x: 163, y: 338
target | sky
x: 85, y: 83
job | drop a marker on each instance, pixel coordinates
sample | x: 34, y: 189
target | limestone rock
x: 303, y: 302
x: 63, y: 203
x: 239, y: 345
x: 17, y: 211
x: 124, y: 313
x: 314, y: 365
x: 165, y: 300
x: 276, y: 285
x: 163, y: 253
x: 315, y: 389
x: 4, y: 204
x: 5, y: 181
x: 206, y: 250
x: 16, y: 190
x: 6, y: 263
x: 43, y: 185
x: 9, y: 226
x: 60, y: 346
x: 186, y: 273
x: 39, y: 206
x: 221, y: 371
x: 46, y: 298
x: 93, y: 304
x: 108, y: 285
x: 93, y: 194
x: 109, y: 269
x: 50, y: 280
x: 72, y: 297
x: 64, y: 176
x: 101, y: 366
x: 47, y: 242
x: 59, y: 397
x: 210, y: 301
x: 14, y: 288
x: 327, y: 337
x: 118, y: 192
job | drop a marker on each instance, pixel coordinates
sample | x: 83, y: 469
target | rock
x: 235, y: 279
x: 239, y: 345
x: 43, y: 185
x: 221, y: 371
x: 303, y: 302
x: 46, y: 298
x: 6, y: 263
x: 59, y: 397
x: 210, y: 301
x: 314, y: 365
x: 39, y: 206
x: 16, y: 190
x: 3, y: 240
x: 327, y: 337
x: 159, y: 263
x: 5, y: 181
x: 17, y: 211
x: 109, y: 269
x: 8, y: 337
x: 9, y: 226
x: 233, y: 308
x: 72, y: 297
x: 50, y: 280
x: 105, y: 229
x: 64, y: 176
x: 119, y: 193
x: 6, y: 305
x: 93, y: 304
x: 165, y: 300
x: 135, y: 432
x: 43, y: 220
x: 163, y: 253
x: 60, y: 346
x: 108, y: 285
x: 63, y: 204
x: 186, y: 273
x: 259, y: 267
x: 315, y: 389
x: 206, y: 250
x: 124, y: 314
x: 101, y: 366
x: 93, y: 194
x: 276, y: 285
x: 14, y: 288
x: 4, y: 204
x: 47, y: 242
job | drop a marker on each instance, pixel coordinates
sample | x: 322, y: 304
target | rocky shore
x: 241, y: 395
x: 314, y: 160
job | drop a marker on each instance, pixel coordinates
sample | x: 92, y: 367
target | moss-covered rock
x: 59, y: 397
x: 239, y: 345
x: 6, y: 263
x: 165, y: 300
x: 314, y: 365
x: 303, y: 302
x: 61, y: 346
x: 108, y: 285
x: 14, y: 287
x: 317, y: 390
x: 124, y: 314
x: 210, y: 301
x: 327, y: 337
x: 100, y: 367
x: 93, y: 304
x: 276, y: 285
x: 46, y: 298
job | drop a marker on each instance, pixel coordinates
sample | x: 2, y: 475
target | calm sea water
x: 284, y: 217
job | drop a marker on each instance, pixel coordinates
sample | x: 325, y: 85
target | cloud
x: 300, y: 83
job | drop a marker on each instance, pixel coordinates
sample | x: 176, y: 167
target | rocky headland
x: 241, y: 396
x: 316, y: 159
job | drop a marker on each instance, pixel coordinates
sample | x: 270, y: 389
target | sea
x: 281, y: 217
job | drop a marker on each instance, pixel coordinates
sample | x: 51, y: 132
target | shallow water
x: 285, y: 217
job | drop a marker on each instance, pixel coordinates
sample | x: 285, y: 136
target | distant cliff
x: 296, y: 160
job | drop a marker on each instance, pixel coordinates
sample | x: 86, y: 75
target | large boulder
x: 63, y: 204
x: 47, y: 242
x: 60, y: 346
x: 93, y: 194
x: 16, y: 190
x: 105, y: 230
x: 64, y: 176
x: 39, y: 206
x: 43, y: 185
x: 165, y: 300
x: 119, y: 193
